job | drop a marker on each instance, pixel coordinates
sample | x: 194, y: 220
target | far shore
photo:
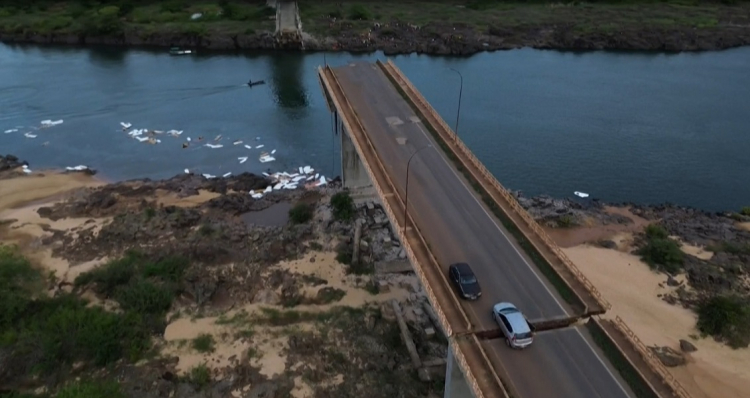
x: 465, y: 28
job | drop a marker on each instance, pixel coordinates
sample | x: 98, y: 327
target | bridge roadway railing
x: 652, y: 362
x: 534, y: 234
x: 650, y: 358
x: 468, y: 351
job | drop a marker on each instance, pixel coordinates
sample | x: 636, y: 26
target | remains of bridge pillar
x: 353, y: 172
x: 455, y: 383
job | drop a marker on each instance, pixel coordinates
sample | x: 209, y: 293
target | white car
x: 515, y: 327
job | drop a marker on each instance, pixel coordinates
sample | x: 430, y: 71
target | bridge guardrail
x: 460, y: 356
x: 654, y: 363
x: 509, y: 198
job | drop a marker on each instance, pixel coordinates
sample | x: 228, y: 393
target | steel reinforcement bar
x: 654, y: 363
x: 494, y: 185
x: 491, y: 385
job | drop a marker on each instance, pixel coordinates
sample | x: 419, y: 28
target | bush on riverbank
x: 301, y: 213
x: 745, y: 211
x: 343, y: 206
x: 659, y: 251
x: 727, y: 319
x: 46, y: 335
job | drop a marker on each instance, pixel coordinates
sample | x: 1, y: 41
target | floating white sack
x: 308, y: 169
x: 212, y: 146
x: 266, y: 159
x: 187, y: 171
x: 278, y: 186
x: 237, y: 142
x: 259, y: 146
x: 317, y: 175
x: 272, y: 152
x: 257, y: 195
x: 291, y: 186
x: 80, y: 167
x: 125, y: 126
x: 268, y: 189
x: 310, y: 178
x: 266, y: 174
x: 248, y: 147
x: 322, y: 181
x: 209, y: 176
x: 242, y: 159
x: 30, y: 135
x: 227, y: 174
x: 10, y: 131
x: 141, y: 139
x: 581, y: 194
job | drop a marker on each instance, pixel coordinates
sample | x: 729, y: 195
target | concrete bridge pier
x: 353, y: 173
x: 455, y: 383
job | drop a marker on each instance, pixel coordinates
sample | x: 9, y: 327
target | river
x: 646, y: 128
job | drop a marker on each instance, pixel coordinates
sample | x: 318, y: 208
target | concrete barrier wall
x: 466, y: 156
x: 351, y: 123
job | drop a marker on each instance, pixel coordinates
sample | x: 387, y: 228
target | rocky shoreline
x: 432, y: 39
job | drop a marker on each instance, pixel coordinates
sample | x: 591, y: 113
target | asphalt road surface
x: 459, y: 228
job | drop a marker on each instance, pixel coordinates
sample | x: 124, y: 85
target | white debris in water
x: 212, y: 146
x: 125, y: 125
x: 26, y: 169
x: 209, y: 176
x: 227, y: 174
x: 29, y: 135
x: 10, y: 131
x: 238, y: 142
x: 259, y: 146
x: 50, y: 123
x: 242, y: 159
x: 248, y: 147
x: 80, y: 167
x: 187, y: 171
x: 272, y: 152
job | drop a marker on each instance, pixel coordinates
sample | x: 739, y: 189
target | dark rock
x: 672, y: 281
x: 668, y: 357
x: 687, y: 346
x: 607, y: 244
x: 10, y: 162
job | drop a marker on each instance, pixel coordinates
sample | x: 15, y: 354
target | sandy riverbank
x: 714, y: 370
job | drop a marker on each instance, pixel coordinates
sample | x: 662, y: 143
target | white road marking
x: 492, y: 218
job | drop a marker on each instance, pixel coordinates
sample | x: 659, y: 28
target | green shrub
x: 173, y: 6
x: 566, y: 221
x: 91, y: 389
x: 145, y: 297
x: 656, y: 231
x: 301, y: 213
x: 200, y: 376
x: 204, y: 343
x: 745, y: 211
x: 344, y: 255
x: 343, y: 206
x: 359, y: 12
x: 661, y: 252
x: 726, y: 318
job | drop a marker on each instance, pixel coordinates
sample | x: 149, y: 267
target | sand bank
x: 714, y: 371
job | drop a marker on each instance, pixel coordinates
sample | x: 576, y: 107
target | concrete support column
x: 353, y: 173
x: 455, y: 384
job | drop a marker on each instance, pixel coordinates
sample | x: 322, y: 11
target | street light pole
x: 460, y: 91
x: 406, y: 195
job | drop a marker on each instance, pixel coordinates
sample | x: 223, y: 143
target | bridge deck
x: 458, y: 227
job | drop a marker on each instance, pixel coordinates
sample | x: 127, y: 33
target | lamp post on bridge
x: 406, y: 194
x: 460, y: 91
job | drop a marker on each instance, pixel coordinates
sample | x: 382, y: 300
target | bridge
x: 288, y: 23
x: 395, y: 142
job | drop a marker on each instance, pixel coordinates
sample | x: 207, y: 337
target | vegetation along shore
x: 459, y: 27
x: 190, y: 287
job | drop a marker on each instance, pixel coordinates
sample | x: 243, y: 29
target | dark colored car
x: 465, y: 281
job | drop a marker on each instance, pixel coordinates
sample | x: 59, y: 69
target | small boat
x: 179, y: 51
x: 255, y: 83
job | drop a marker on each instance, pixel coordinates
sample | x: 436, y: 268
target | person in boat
x: 250, y: 82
